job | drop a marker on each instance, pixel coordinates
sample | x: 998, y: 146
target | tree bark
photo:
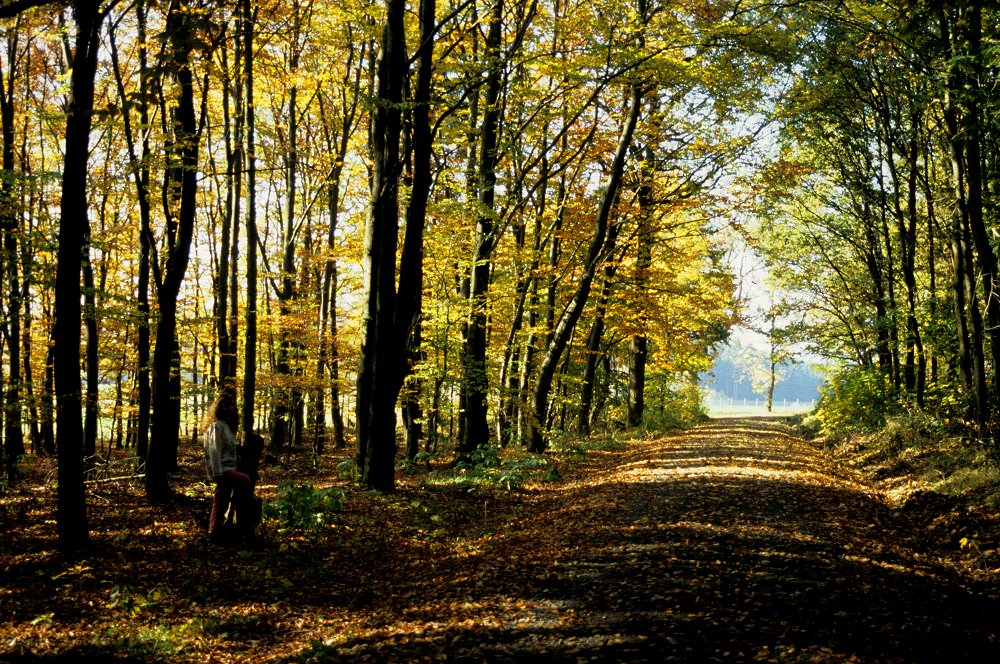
x: 965, y: 292
x: 287, y: 396
x: 378, y: 372
x: 475, y: 381
x: 639, y: 351
x: 593, y: 349
x: 139, y: 168
x: 248, y: 18
x: 180, y: 182
x: 410, y: 302
x: 13, y: 443
x: 71, y: 518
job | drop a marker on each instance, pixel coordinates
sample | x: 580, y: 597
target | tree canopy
x: 495, y: 221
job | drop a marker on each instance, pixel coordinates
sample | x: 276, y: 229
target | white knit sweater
x: 220, y: 450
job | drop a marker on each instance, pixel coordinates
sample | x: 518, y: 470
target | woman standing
x: 232, y: 488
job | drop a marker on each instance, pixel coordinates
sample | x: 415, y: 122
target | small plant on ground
x: 302, y: 507
x: 348, y: 470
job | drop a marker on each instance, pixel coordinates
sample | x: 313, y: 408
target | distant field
x: 752, y: 407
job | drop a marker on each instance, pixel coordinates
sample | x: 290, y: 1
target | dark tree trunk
x: 972, y: 361
x: 73, y: 226
x: 528, y: 354
x: 915, y: 345
x: 90, y: 323
x: 47, y: 404
x: 287, y: 396
x: 410, y: 305
x: 475, y: 383
x: 593, y: 353
x: 180, y: 206
x: 248, y: 18
x: 140, y: 173
x: 972, y: 130
x: 225, y: 306
x: 378, y: 372
x: 13, y: 443
x: 329, y: 355
x: 639, y: 351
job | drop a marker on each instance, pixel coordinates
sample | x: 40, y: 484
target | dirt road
x: 732, y: 542
x: 735, y: 541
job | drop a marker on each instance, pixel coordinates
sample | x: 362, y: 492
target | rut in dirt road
x: 734, y: 541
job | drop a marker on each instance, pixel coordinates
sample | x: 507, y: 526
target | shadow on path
x: 735, y: 541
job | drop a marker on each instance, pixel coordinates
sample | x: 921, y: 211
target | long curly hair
x: 224, y: 409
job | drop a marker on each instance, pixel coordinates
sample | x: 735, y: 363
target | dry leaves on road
x: 733, y: 541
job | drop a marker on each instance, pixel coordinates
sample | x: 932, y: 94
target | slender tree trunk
x: 224, y: 306
x: 570, y: 315
x: 286, y: 396
x: 48, y: 402
x: 915, y: 345
x: 972, y: 358
x: 90, y: 323
x: 31, y: 391
x: 329, y: 354
x: 180, y: 207
x: 528, y: 353
x: 593, y: 352
x: 639, y: 351
x: 13, y: 443
x: 972, y: 130
x: 140, y: 173
x: 475, y: 381
x: 248, y: 16
x: 410, y: 306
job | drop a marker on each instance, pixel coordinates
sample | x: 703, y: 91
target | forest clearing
x: 733, y: 541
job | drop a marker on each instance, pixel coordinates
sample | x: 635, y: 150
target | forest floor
x: 734, y: 541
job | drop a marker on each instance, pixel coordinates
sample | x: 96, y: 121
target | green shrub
x: 484, y: 456
x: 856, y: 400
x: 302, y: 507
x: 681, y: 406
x: 487, y: 468
x: 348, y: 469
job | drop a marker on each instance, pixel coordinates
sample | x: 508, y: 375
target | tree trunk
x: 140, y: 173
x: 13, y: 443
x: 90, y: 323
x: 225, y: 304
x: 475, y: 381
x: 639, y: 351
x: 593, y: 350
x: 915, y: 345
x: 329, y: 354
x: 570, y: 315
x: 971, y: 130
x: 71, y: 519
x: 972, y: 358
x: 180, y: 207
x: 528, y: 353
x: 410, y: 305
x: 378, y: 372
x: 286, y: 395
x: 248, y: 16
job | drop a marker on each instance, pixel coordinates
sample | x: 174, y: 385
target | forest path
x: 735, y: 541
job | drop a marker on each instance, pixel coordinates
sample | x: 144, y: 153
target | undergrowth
x: 915, y: 451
